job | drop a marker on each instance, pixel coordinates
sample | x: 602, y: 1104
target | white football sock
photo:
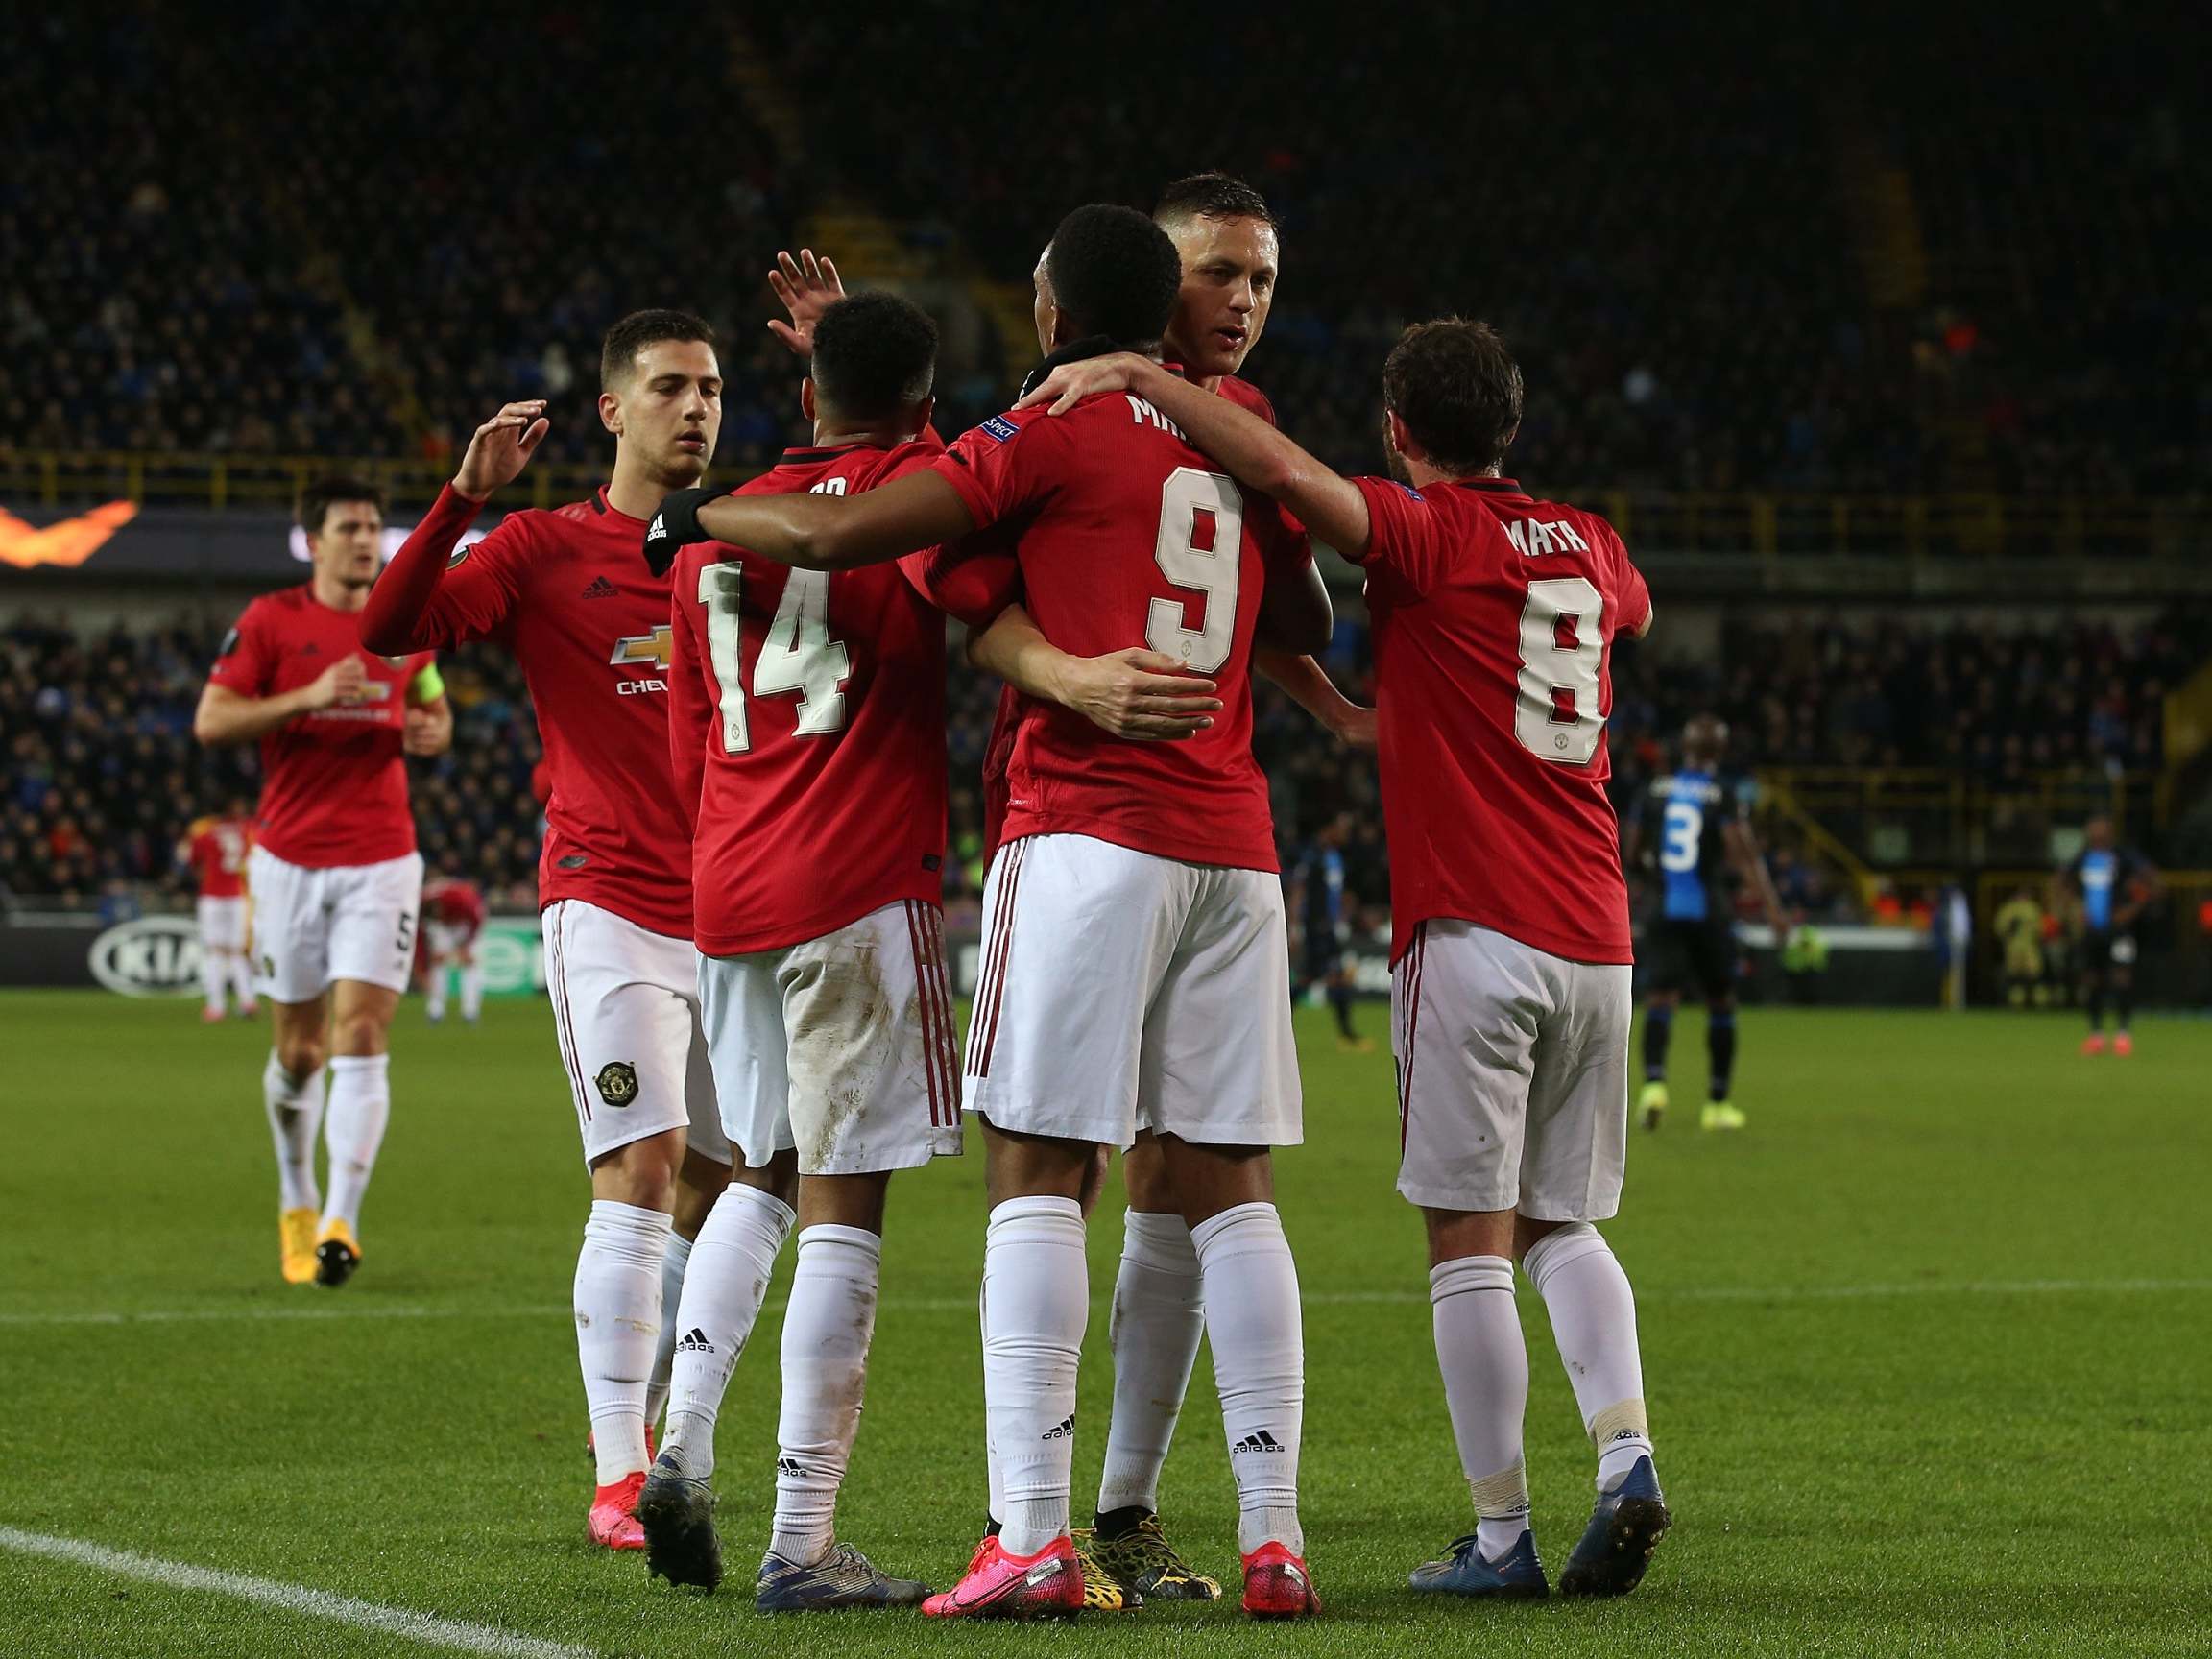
x: 617, y: 1321
x: 996, y: 1479
x: 295, y: 1115
x: 1485, y: 1365
x: 827, y: 1329
x: 1037, y: 1300
x: 434, y: 997
x: 1159, y: 1315
x: 731, y: 1262
x: 354, y: 1129
x: 1594, y: 1319
x: 214, y: 977
x: 472, y: 990
x: 1258, y: 1331
x: 242, y: 978
x: 674, y: 1260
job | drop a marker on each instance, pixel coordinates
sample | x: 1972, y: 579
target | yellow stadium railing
x: 1764, y: 525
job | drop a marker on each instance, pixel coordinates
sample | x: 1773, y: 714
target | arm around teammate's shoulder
x: 834, y: 531
x: 1255, y: 455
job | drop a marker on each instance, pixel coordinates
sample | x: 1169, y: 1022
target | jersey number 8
x: 1555, y: 714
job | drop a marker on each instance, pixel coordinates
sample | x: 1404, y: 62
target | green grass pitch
x: 1928, y: 1349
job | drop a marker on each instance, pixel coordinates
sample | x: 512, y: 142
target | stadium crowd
x: 112, y: 714
x: 1685, y: 282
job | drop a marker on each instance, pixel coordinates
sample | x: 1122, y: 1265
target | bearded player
x: 1134, y: 925
x: 215, y: 849
x: 1494, y: 616
x: 564, y: 592
x: 334, y: 873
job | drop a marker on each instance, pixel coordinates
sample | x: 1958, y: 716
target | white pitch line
x: 456, y: 1634
x: 1312, y: 1298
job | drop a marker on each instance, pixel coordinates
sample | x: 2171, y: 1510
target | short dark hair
x: 321, y: 494
x: 619, y: 356
x: 1211, y: 196
x: 1114, y: 272
x: 874, y: 354
x: 1459, y: 391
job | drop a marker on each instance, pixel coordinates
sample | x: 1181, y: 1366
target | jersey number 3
x: 798, y: 655
x: 1562, y: 649
x: 1201, y: 547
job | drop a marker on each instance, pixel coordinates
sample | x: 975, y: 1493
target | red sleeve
x: 247, y: 655
x: 1004, y: 466
x: 1285, y: 547
x: 961, y: 580
x: 432, y: 596
x: 692, y: 695
x: 1633, y: 596
x: 1405, y: 546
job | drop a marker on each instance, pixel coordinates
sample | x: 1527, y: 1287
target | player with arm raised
x: 215, y: 849
x: 807, y: 740
x: 335, y: 877
x: 1698, y: 823
x: 1494, y: 614
x: 1134, y: 945
x: 564, y: 592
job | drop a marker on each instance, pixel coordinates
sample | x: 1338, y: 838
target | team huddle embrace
x: 741, y: 693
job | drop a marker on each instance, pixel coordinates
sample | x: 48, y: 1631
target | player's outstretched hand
x: 676, y: 525
x: 1071, y: 382
x: 340, y: 683
x: 1140, y: 695
x: 807, y: 286
x: 501, y: 448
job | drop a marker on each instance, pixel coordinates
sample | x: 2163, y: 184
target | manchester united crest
x: 617, y: 1082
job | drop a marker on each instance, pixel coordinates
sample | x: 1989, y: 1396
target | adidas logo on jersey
x: 601, y: 588
x: 1262, y: 1441
x: 694, y: 1341
x: 1065, y: 1429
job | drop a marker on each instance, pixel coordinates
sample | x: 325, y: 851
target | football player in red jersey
x: 1494, y: 617
x: 215, y: 848
x: 564, y: 590
x: 1134, y: 925
x: 335, y: 875
x: 452, y: 919
x: 808, y: 737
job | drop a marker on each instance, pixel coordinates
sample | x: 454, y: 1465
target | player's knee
x: 1543, y: 1247
x: 641, y: 1173
x: 302, y: 1057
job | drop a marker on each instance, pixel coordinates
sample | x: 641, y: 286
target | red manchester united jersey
x: 218, y: 849
x: 454, y: 902
x: 568, y: 593
x: 807, y: 726
x: 999, y: 753
x: 1494, y: 617
x: 333, y: 784
x: 1123, y: 532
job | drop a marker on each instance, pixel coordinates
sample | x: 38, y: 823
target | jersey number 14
x: 798, y: 655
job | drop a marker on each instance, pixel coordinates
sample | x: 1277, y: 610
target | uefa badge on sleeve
x: 617, y: 1082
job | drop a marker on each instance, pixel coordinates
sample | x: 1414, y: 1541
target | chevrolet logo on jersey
x: 654, y: 648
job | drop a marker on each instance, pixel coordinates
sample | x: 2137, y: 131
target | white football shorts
x: 314, y: 928
x: 626, y: 1013
x: 449, y: 941
x: 1512, y: 1075
x: 223, y: 923
x: 1121, y: 991
x: 842, y: 1046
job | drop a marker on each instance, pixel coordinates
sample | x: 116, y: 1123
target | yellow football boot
x: 295, y: 1244
x: 337, y: 1253
x: 1719, y: 1115
x: 1652, y: 1104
